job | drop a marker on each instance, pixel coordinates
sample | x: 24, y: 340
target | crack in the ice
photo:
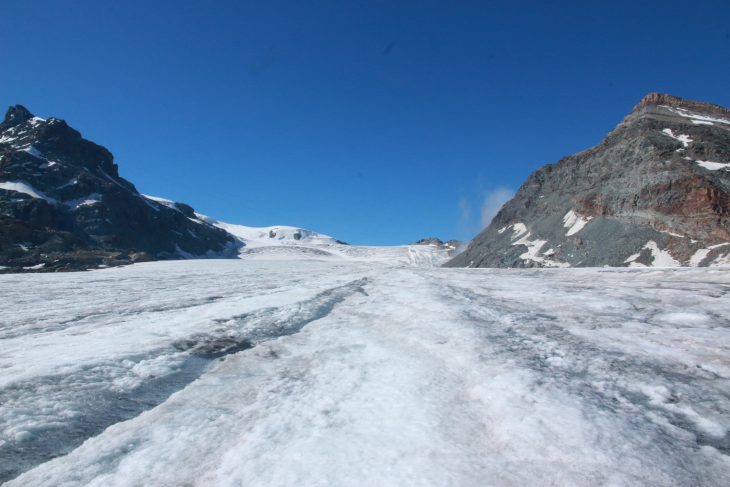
x: 103, y: 406
x: 245, y: 331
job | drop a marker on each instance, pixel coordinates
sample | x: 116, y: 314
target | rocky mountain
x: 63, y: 205
x: 654, y: 192
x: 452, y: 246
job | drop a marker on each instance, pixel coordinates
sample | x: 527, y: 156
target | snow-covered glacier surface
x: 358, y: 372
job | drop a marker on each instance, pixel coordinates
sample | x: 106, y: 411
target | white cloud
x: 493, y: 201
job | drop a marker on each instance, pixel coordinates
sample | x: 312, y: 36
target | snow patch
x: 574, y: 222
x: 714, y: 166
x: 684, y: 139
x: 702, y: 254
x: 71, y: 182
x: 695, y: 117
x: 721, y: 261
x: 521, y: 236
x: 518, y: 229
x: 660, y: 258
x: 162, y: 201
x: 35, y: 267
x: 91, y: 199
x: 25, y: 188
x: 698, y: 257
x: 34, y: 152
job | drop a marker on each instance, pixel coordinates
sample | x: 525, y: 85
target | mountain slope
x: 64, y: 206
x: 654, y: 192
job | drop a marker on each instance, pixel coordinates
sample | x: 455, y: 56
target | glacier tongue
x: 357, y: 372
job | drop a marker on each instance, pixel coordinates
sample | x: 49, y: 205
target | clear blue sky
x: 378, y: 122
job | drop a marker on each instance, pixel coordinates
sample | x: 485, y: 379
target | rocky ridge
x: 63, y: 205
x: 654, y: 192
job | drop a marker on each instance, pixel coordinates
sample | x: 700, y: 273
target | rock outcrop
x: 451, y: 246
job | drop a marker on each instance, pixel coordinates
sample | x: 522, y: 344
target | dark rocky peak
x: 452, y: 246
x: 67, y: 145
x: 15, y: 115
x: 429, y: 241
x: 52, y: 140
x: 63, y: 205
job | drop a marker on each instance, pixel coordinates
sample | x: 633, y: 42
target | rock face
x: 452, y: 246
x: 429, y: 241
x: 654, y: 192
x: 63, y: 205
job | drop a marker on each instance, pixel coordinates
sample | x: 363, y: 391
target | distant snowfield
x: 300, y: 371
x: 281, y: 242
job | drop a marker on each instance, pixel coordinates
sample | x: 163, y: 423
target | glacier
x: 364, y: 366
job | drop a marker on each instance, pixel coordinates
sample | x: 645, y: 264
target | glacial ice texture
x: 305, y: 372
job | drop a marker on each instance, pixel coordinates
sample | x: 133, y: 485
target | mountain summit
x: 63, y: 205
x: 14, y: 116
x: 654, y: 192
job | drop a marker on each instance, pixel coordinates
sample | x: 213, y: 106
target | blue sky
x: 377, y: 122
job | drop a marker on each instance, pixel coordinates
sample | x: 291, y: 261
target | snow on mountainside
x: 281, y: 242
x: 272, y: 236
x: 63, y: 206
x: 284, y: 242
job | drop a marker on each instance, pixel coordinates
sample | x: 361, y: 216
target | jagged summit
x: 15, y: 115
x: 655, y: 191
x: 665, y: 100
x: 429, y: 241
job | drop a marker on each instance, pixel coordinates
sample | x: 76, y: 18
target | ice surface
x: 364, y: 372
